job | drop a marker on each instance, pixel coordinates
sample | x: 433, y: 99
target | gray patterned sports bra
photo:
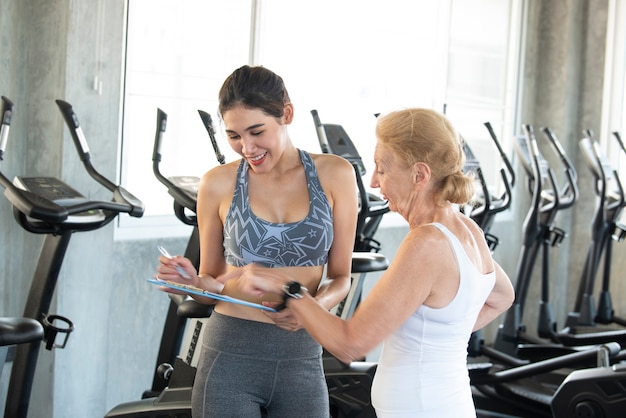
x: 248, y: 239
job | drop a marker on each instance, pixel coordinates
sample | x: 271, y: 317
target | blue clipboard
x: 201, y: 292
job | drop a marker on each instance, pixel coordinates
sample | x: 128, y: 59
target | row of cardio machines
x: 574, y: 378
x: 574, y: 371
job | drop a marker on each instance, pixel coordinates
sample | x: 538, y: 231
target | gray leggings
x: 250, y: 368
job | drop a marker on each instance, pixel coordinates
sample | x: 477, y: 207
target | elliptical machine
x: 606, y: 228
x: 541, y: 234
x: 48, y: 206
x: 584, y: 380
x: 486, y: 205
x: 483, y: 209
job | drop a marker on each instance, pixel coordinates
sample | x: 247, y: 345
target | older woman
x: 442, y: 283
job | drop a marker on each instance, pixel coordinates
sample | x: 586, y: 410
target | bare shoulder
x: 471, y: 225
x: 332, y: 169
x: 478, y: 236
x: 330, y: 162
x: 426, y: 238
x: 220, y: 180
x: 425, y: 253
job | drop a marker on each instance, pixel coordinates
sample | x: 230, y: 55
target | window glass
x: 353, y: 59
x: 348, y: 60
x: 178, y: 54
x: 482, y: 72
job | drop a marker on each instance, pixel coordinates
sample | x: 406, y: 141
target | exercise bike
x: 13, y: 330
x: 177, y: 327
x: 48, y: 206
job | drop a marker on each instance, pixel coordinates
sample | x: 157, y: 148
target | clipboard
x: 201, y: 292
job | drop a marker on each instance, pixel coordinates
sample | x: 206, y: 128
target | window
x: 483, y: 60
x: 614, y: 110
x: 614, y: 93
x: 178, y: 54
x: 349, y: 60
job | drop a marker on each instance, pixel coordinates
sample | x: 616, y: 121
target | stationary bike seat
x: 365, y: 262
x: 19, y: 331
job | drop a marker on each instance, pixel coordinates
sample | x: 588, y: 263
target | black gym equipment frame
x: 46, y: 205
x: 14, y: 330
x: 606, y: 228
x: 570, y: 380
x: 541, y: 233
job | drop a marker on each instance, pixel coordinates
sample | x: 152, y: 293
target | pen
x: 178, y: 268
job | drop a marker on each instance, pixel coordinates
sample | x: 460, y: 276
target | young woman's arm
x: 339, y: 183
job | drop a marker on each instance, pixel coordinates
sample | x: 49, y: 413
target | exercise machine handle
x: 25, y: 201
x: 124, y: 200
x: 505, y: 159
x: 207, y: 121
x: 181, y: 199
x: 321, y: 133
x: 7, y: 112
x: 570, y: 193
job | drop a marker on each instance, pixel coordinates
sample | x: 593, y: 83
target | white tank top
x: 423, y: 365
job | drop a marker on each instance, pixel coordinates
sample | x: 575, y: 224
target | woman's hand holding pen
x: 176, y: 269
x: 179, y: 269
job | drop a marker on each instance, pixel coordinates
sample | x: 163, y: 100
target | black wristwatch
x: 291, y: 290
x: 294, y: 290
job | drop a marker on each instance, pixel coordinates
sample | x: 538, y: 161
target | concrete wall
x: 563, y: 79
x: 51, y: 50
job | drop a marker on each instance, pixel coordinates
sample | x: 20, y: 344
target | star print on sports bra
x: 249, y: 239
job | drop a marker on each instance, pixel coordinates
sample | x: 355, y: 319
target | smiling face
x: 259, y: 138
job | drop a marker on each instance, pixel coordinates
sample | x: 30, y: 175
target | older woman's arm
x: 396, y: 295
x: 500, y: 299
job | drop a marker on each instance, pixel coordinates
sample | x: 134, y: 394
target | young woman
x: 283, y: 209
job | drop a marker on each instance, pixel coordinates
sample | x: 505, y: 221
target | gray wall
x: 49, y: 53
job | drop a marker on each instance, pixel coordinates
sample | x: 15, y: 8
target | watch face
x: 294, y: 288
